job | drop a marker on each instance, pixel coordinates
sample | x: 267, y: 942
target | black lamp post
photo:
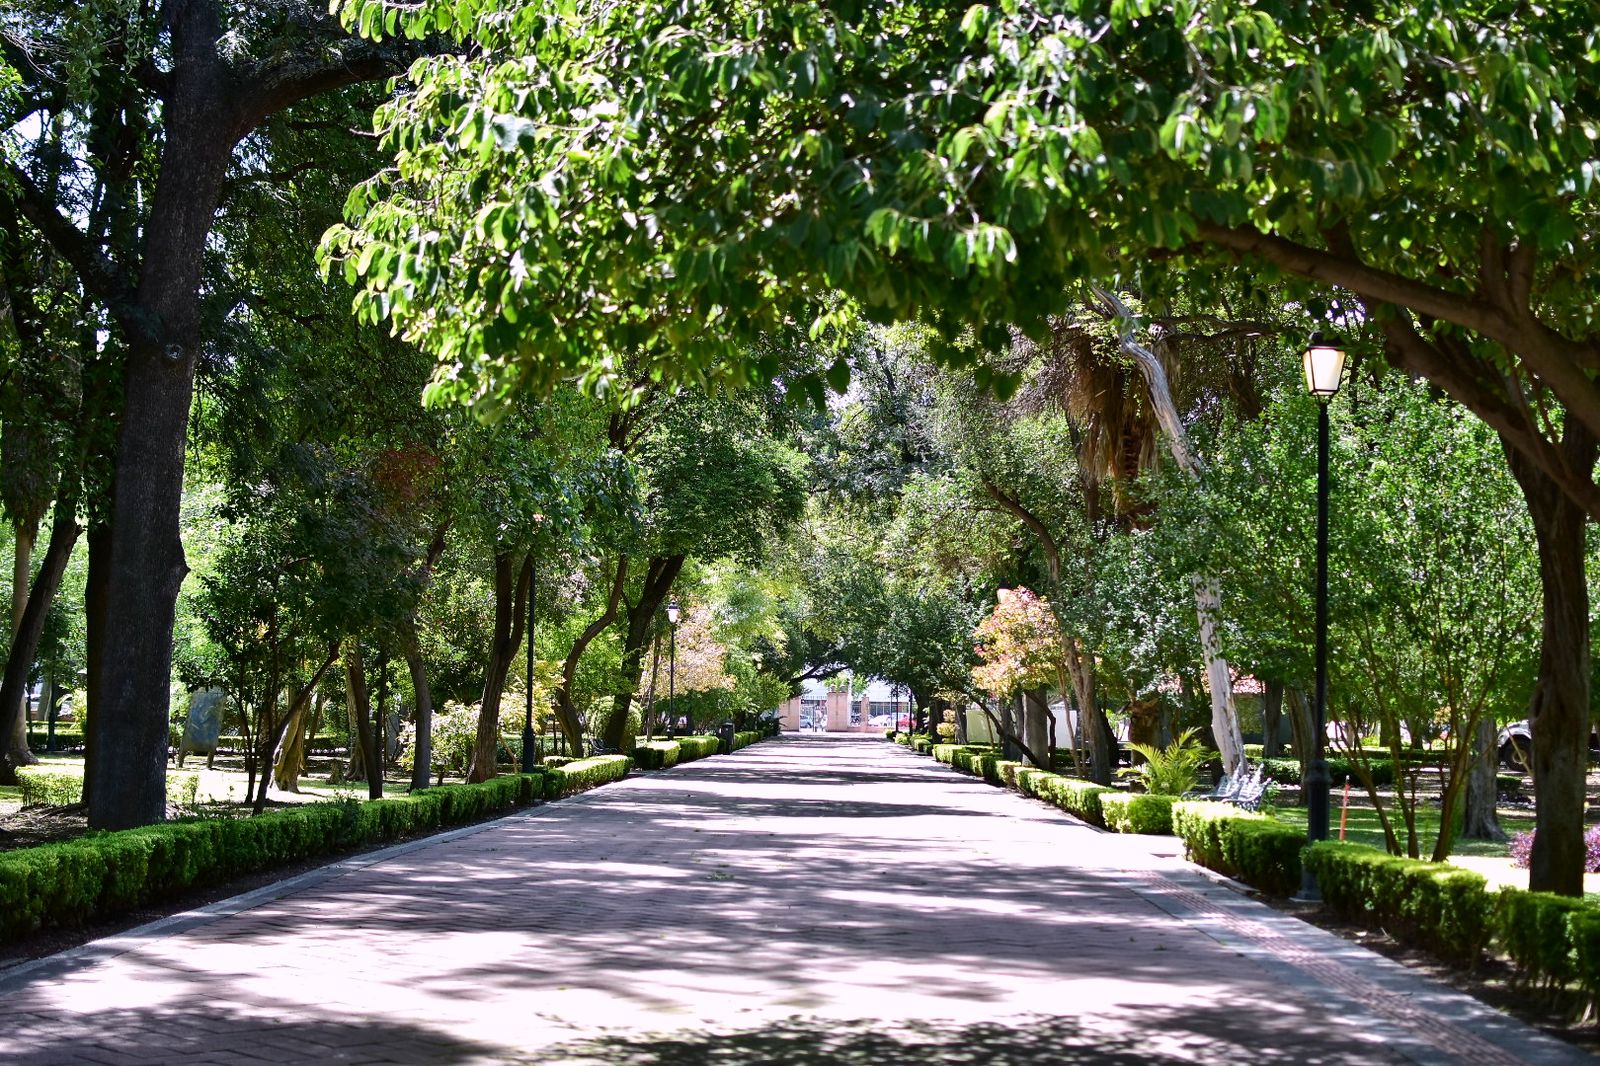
x: 530, y: 743
x: 672, y: 669
x: 1324, y: 369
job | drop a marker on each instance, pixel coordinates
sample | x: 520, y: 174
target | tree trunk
x: 355, y: 676
x: 1559, y: 715
x: 513, y: 578
x: 27, y: 532
x: 650, y: 693
x: 291, y: 761
x: 566, y: 710
x: 1300, y: 730
x: 1482, y: 821
x: 29, y: 631
x: 1098, y: 738
x: 422, y: 757
x: 1271, y: 719
x: 1036, y: 727
x: 660, y: 573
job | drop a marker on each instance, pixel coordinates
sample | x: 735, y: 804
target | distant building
x: 869, y: 709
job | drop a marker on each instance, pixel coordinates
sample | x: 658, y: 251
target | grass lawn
x: 1363, y: 828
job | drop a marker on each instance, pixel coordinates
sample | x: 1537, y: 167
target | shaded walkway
x: 806, y: 901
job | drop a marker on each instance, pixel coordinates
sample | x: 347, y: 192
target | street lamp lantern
x: 1324, y: 368
x: 673, y: 611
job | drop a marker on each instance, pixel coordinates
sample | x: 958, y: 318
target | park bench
x: 1244, y: 789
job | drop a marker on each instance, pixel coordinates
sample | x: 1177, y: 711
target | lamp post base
x: 530, y: 750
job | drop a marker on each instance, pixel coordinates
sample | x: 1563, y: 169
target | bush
x: 656, y: 754
x: 746, y: 738
x: 105, y: 874
x: 697, y: 747
x: 1434, y: 906
x: 922, y: 744
x: 1287, y: 771
x: 54, y: 788
x: 946, y: 753
x: 1172, y: 770
x: 583, y: 774
x: 984, y: 763
x: 1254, y: 848
x: 1128, y: 812
x: 1522, y: 849
x: 1074, y: 795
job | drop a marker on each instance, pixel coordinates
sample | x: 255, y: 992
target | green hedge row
x: 1077, y: 797
x: 1435, y: 906
x: 67, y: 736
x: 54, y: 788
x: 1135, y: 812
x: 1254, y: 848
x: 746, y: 738
x: 1287, y: 771
x: 105, y: 874
x: 697, y: 747
x: 580, y: 774
x: 657, y: 754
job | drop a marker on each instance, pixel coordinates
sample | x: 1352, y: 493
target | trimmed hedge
x: 1254, y: 848
x: 747, y: 738
x: 697, y: 747
x: 1552, y: 940
x: 54, y: 788
x: 1287, y: 771
x: 657, y: 754
x: 1074, y: 795
x: 946, y: 753
x: 580, y: 774
x: 1137, y: 812
x: 105, y: 874
x: 1435, y: 906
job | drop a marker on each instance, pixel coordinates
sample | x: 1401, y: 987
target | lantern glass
x: 672, y: 612
x: 1324, y: 367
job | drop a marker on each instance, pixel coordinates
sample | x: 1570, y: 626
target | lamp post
x: 530, y: 743
x: 672, y: 668
x: 1324, y: 370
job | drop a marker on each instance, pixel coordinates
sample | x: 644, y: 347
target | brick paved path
x: 805, y: 902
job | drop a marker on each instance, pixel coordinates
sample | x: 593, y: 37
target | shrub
x: 1522, y: 849
x: 697, y: 747
x: 55, y: 788
x: 946, y: 753
x: 746, y: 738
x: 583, y: 774
x: 1128, y: 812
x: 982, y: 763
x: 1535, y: 931
x: 656, y: 754
x: 1254, y: 848
x: 1074, y: 795
x: 922, y: 744
x: 1007, y: 769
x: 105, y: 874
x: 1287, y: 771
x: 1172, y: 770
x: 1434, y: 906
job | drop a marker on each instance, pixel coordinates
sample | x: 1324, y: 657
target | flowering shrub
x: 1019, y: 643
x: 1522, y: 849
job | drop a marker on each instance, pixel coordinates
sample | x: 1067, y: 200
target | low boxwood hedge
x: 1074, y: 795
x: 1135, y: 812
x: 105, y: 874
x: 580, y: 774
x: 656, y: 754
x: 56, y: 788
x: 746, y: 738
x: 1254, y: 848
x: 1431, y: 905
x: 946, y: 753
x: 697, y: 747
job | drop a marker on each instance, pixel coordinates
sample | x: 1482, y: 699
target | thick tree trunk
x: 1271, y: 719
x: 355, y: 675
x: 422, y: 759
x: 660, y: 573
x: 1482, y: 820
x: 27, y: 532
x: 94, y: 642
x: 1097, y: 737
x: 1559, y: 715
x: 1036, y: 727
x: 29, y: 630
x: 513, y: 577
x: 566, y: 710
x: 291, y: 760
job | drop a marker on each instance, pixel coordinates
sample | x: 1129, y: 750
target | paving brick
x: 806, y: 900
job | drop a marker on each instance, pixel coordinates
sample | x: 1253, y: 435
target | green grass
x: 1363, y: 828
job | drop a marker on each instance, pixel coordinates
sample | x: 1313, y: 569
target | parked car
x: 1516, y: 745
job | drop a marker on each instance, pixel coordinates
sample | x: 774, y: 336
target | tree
x: 731, y: 173
x: 159, y: 98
